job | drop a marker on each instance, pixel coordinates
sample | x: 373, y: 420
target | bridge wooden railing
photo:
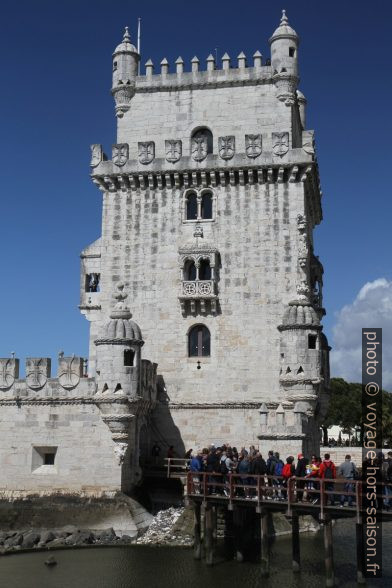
x: 176, y: 467
x: 262, y: 489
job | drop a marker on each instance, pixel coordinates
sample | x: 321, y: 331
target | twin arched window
x: 199, y: 341
x: 198, y: 206
x: 191, y: 274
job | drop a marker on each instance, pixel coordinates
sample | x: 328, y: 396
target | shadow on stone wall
x: 163, y: 429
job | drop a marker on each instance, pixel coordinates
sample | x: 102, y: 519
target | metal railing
x: 262, y: 490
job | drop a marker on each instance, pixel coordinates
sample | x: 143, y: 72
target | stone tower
x: 210, y: 200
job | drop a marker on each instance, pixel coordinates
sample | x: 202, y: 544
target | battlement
x: 211, y: 76
x: 71, y: 382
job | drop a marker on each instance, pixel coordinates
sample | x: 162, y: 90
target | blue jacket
x: 195, y: 465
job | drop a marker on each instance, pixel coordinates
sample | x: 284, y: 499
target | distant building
x: 210, y: 199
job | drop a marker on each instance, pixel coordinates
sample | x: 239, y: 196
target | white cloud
x: 371, y: 308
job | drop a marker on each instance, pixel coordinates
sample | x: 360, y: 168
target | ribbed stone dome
x: 284, y: 30
x: 120, y: 328
x: 300, y: 312
x: 126, y: 44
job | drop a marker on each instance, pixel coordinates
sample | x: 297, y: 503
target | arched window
x: 191, y: 207
x: 204, y: 270
x: 199, y: 341
x: 190, y: 271
x: 206, y: 205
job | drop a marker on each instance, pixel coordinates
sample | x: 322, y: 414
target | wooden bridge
x: 269, y: 494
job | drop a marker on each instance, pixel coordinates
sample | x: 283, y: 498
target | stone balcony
x: 198, y: 295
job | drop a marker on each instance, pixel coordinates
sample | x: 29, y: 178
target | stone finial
x: 257, y: 59
x: 284, y: 20
x: 263, y: 408
x: 179, y: 65
x: 241, y: 60
x: 226, y: 61
x: 149, y: 68
x: 210, y: 62
x: 164, y: 66
x: 127, y: 36
x: 195, y: 64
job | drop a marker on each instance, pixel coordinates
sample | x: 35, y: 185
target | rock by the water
x: 50, y: 561
x: 46, y: 536
x: 30, y: 540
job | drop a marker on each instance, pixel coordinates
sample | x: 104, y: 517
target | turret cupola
x: 125, y: 69
x: 284, y: 60
x: 119, y: 350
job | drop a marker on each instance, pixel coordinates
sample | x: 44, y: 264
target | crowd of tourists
x: 306, y: 474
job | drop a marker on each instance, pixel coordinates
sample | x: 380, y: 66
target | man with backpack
x: 348, y: 471
x: 328, y: 472
x: 277, y: 471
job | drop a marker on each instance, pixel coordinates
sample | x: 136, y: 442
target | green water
x: 164, y: 567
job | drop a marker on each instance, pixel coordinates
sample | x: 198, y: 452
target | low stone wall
x: 338, y: 454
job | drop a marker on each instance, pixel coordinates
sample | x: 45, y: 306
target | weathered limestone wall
x: 84, y: 463
x: 256, y: 232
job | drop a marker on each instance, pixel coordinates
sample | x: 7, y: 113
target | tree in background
x: 345, y: 409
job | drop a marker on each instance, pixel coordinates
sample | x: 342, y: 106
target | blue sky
x: 55, y: 102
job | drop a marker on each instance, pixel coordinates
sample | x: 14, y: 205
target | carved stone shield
x: 308, y: 142
x: 280, y: 143
x: 146, y: 151
x: 120, y: 154
x: 226, y: 147
x: 173, y: 149
x: 96, y: 155
x: 70, y: 371
x: 37, y: 372
x: 8, y: 372
x: 253, y: 146
x: 199, y: 147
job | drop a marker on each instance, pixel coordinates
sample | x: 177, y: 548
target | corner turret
x: 125, y: 67
x: 119, y: 351
x: 284, y: 61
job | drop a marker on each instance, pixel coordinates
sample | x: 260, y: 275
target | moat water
x: 168, y: 567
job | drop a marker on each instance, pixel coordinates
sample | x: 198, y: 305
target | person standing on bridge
x: 328, y: 472
x: 300, y: 472
x: 348, y: 471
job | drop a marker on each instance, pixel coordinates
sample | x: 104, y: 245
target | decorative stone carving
x: 308, y: 142
x: 253, y: 145
x: 9, y: 372
x: 96, y: 155
x: 303, y: 290
x: 70, y: 371
x: 198, y: 232
x: 123, y: 94
x: 280, y: 143
x: 173, y: 150
x: 120, y: 154
x: 146, y: 152
x: 303, y: 248
x: 226, y: 146
x: 199, y: 147
x: 120, y: 450
x: 37, y: 372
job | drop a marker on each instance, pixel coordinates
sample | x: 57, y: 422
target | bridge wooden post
x: 295, y: 543
x: 265, y: 551
x: 208, y: 535
x: 196, y: 530
x: 328, y: 546
x: 215, y: 525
